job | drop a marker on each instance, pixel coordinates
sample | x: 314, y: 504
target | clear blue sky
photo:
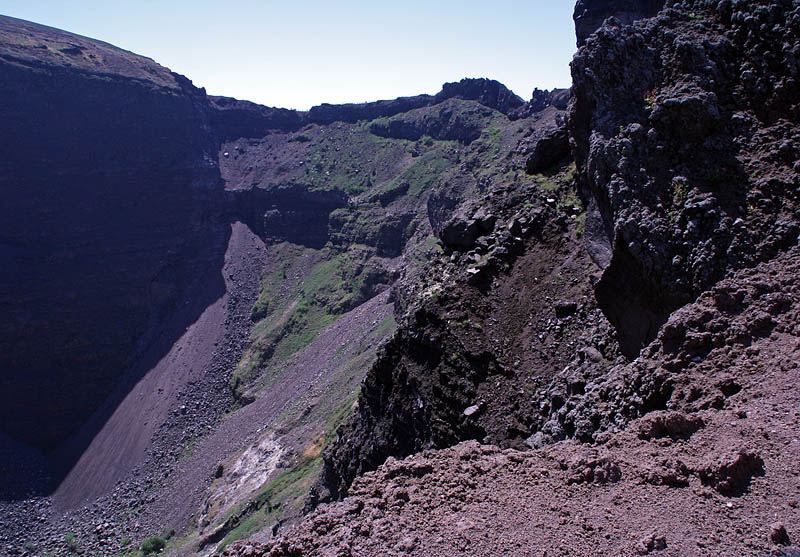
x: 298, y: 53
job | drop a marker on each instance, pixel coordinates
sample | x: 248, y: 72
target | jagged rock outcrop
x: 233, y: 118
x: 291, y: 214
x: 541, y: 99
x: 454, y: 370
x: 685, y: 128
x: 552, y: 147
x: 488, y: 92
x: 353, y: 112
x: 590, y: 14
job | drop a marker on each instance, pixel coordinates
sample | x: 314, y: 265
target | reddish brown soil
x: 721, y: 478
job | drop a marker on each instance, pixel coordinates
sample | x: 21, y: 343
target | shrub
x: 71, y: 542
x: 153, y: 545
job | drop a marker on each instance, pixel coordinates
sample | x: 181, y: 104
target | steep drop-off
x: 174, y: 256
x: 615, y: 338
x: 108, y: 178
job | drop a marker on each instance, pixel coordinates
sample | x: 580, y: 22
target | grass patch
x: 333, y: 286
x: 350, y: 158
x: 580, y: 224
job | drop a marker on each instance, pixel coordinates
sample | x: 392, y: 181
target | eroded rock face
x: 448, y: 120
x: 488, y: 92
x: 107, y: 179
x: 550, y: 149
x: 685, y: 128
x: 234, y: 118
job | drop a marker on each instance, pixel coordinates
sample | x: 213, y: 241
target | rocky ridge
x: 714, y: 474
x: 683, y: 126
x: 682, y: 131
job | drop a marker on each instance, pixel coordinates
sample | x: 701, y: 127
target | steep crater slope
x: 107, y: 182
x: 489, y: 321
x: 146, y: 315
x: 714, y: 475
x: 401, y: 191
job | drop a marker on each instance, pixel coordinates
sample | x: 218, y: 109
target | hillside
x: 452, y: 324
x: 210, y: 406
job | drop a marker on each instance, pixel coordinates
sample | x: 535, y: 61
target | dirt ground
x: 694, y: 479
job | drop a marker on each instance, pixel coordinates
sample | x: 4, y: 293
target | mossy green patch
x: 350, y: 158
x: 338, y: 282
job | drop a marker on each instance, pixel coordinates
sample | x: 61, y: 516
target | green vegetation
x: 386, y: 326
x: 569, y: 198
x: 338, y: 282
x: 650, y: 99
x: 545, y: 183
x: 571, y: 170
x: 154, y: 544
x: 680, y: 193
x: 425, y: 171
x: 493, y: 138
x: 580, y: 224
x: 71, y: 543
x: 151, y: 546
x: 349, y: 158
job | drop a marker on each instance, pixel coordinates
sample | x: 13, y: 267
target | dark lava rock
x: 690, y: 164
x: 329, y: 113
x: 778, y: 534
x: 461, y: 233
x: 565, y: 309
x: 590, y: 14
x: 233, y: 118
x: 488, y: 92
x: 541, y: 99
x: 551, y: 148
x: 560, y: 98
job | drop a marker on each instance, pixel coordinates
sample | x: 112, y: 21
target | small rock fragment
x: 778, y: 534
x: 650, y: 543
x: 565, y: 308
x: 470, y: 410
